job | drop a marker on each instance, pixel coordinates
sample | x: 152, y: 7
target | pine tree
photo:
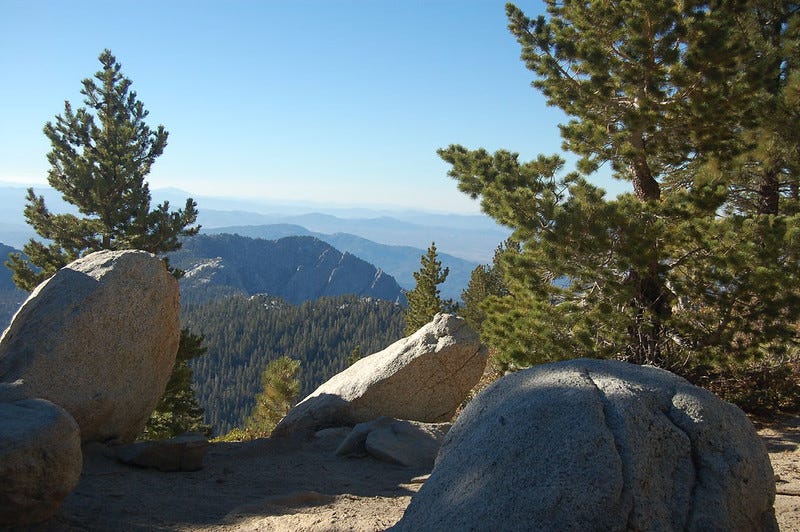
x: 178, y: 410
x: 99, y: 159
x: 281, y: 387
x: 697, y: 269
x: 485, y: 281
x: 424, y: 301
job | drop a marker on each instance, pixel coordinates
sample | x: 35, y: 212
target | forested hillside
x: 243, y: 334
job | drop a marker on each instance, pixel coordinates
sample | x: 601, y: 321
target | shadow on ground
x: 238, y: 480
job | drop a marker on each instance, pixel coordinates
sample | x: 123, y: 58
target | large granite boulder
x: 40, y: 460
x: 423, y: 377
x: 597, y: 445
x: 99, y: 339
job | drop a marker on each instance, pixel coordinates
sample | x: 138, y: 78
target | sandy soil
x: 782, y: 438
x: 299, y: 486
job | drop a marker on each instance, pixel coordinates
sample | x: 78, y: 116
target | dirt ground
x: 782, y: 438
x: 299, y: 486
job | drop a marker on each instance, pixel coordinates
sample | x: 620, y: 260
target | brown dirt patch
x: 300, y: 486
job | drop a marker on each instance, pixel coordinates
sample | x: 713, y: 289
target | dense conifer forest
x: 243, y: 334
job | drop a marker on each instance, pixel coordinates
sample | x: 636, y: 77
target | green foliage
x: 424, y: 301
x: 279, y: 394
x: 178, y: 411
x: 355, y: 355
x: 485, y: 281
x: 696, y: 271
x: 235, y: 434
x: 100, y: 155
x: 243, y: 334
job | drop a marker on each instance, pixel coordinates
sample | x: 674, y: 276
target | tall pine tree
x: 100, y: 155
x: 424, y: 301
x: 485, y: 281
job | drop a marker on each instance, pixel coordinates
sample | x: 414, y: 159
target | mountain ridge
x: 295, y: 268
x: 398, y: 261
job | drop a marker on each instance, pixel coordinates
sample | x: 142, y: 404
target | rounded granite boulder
x: 99, y: 339
x: 597, y: 445
x: 40, y: 460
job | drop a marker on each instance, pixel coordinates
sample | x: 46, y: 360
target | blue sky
x: 341, y: 102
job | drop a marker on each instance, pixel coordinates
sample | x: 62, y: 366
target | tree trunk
x: 768, y: 193
x: 651, y: 298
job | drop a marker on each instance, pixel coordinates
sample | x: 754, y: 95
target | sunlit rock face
x: 423, y: 377
x: 99, y: 339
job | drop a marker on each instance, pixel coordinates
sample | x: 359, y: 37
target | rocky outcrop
x: 99, y: 339
x: 423, y: 377
x: 408, y: 443
x: 597, y: 445
x: 40, y: 459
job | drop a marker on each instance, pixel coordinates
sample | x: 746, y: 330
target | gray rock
x: 424, y: 377
x: 99, y: 339
x: 182, y: 453
x: 597, y: 445
x: 408, y: 443
x: 12, y: 391
x: 40, y: 460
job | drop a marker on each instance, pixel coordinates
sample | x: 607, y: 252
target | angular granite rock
x: 181, y: 453
x: 423, y: 377
x: 409, y: 443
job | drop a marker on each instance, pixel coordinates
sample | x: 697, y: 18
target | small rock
x: 182, y: 453
x: 408, y: 443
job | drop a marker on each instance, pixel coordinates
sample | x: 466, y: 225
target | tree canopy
x: 100, y: 155
x: 697, y: 269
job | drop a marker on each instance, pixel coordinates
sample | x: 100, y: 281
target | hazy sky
x: 332, y: 101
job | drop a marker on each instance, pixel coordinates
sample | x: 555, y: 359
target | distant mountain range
x: 297, y: 269
x: 469, y: 237
x: 391, y: 240
x: 398, y: 261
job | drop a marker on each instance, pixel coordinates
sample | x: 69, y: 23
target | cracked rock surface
x: 597, y: 445
x: 423, y: 377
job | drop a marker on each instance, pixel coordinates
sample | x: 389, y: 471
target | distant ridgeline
x: 244, y: 333
x: 297, y: 269
x: 401, y: 262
